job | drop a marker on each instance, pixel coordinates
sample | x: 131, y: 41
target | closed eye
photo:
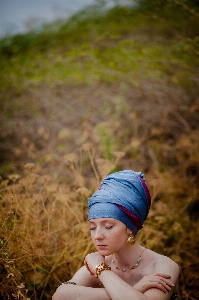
x: 109, y: 227
x: 92, y: 228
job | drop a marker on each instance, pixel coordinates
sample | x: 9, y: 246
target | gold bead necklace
x: 134, y: 266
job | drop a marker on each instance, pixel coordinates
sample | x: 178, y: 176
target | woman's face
x: 108, y: 235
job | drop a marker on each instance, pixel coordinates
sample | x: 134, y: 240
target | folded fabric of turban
x: 123, y: 196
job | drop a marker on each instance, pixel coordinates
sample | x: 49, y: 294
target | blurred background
x: 88, y: 88
x: 20, y: 16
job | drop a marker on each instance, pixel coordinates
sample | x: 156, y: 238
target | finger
x: 167, y: 284
x: 166, y: 281
x: 160, y: 287
x: 158, y: 278
x: 163, y: 275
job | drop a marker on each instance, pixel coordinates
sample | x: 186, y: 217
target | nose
x: 98, y: 234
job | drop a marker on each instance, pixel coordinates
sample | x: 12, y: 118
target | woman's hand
x: 92, y: 260
x: 159, y: 280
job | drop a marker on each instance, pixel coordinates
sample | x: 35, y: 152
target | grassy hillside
x: 101, y: 92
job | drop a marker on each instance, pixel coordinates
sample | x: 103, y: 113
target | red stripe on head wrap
x: 135, y: 220
x: 146, y: 192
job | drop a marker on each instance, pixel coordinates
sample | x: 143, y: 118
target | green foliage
x: 185, y: 4
x: 6, y: 168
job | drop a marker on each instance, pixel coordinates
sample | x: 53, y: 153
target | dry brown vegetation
x: 44, y: 236
x: 59, y: 140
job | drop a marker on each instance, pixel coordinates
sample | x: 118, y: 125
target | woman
x: 121, y: 269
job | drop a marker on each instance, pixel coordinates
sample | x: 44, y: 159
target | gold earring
x: 131, y: 240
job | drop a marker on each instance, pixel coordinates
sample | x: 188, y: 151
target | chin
x: 104, y: 252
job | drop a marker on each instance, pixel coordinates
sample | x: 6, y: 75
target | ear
x: 128, y: 231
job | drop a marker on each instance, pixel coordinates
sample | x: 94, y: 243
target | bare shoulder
x: 165, y: 264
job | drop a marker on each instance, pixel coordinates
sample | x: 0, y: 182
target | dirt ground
x: 43, y: 115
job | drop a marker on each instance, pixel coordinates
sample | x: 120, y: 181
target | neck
x: 126, y: 259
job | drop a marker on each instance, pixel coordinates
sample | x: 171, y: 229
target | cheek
x: 119, y: 239
x: 92, y: 235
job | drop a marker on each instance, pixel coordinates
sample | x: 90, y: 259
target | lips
x: 101, y: 247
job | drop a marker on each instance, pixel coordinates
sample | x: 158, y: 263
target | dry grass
x: 44, y: 235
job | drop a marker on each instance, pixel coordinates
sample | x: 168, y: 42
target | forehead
x: 104, y: 220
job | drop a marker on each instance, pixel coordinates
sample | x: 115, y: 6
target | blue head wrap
x: 123, y: 196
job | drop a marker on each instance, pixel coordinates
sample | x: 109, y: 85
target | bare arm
x: 118, y: 289
x: 82, y: 291
x: 69, y: 292
x: 157, y: 286
x: 85, y: 288
x: 169, y: 267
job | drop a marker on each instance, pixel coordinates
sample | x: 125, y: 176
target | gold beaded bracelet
x: 101, y: 267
